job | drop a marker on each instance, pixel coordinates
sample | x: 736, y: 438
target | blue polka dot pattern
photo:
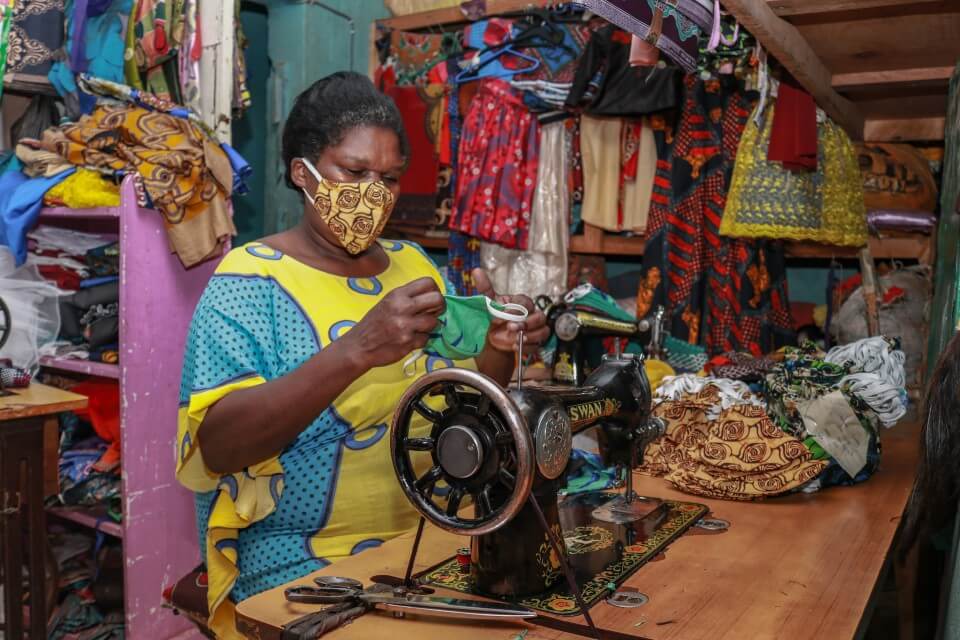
x: 339, y: 329
x: 363, y: 545
x: 264, y: 252
x: 365, y: 438
x: 366, y: 286
x: 245, y: 326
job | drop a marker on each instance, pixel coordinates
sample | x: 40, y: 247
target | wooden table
x: 797, y: 567
x: 28, y: 437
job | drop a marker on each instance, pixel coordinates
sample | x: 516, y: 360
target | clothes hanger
x: 472, y: 68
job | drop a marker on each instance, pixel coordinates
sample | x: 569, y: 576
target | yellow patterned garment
x: 741, y: 455
x: 767, y: 201
x: 332, y: 492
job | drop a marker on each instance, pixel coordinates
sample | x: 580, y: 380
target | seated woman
x: 299, y: 351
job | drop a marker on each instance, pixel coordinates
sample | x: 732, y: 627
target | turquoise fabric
x: 104, y: 45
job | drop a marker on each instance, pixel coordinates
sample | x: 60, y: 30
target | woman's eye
x: 391, y: 179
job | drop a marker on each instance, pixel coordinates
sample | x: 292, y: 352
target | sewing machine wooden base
x: 603, y: 554
x: 782, y: 570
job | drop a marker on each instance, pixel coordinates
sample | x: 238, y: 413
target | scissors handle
x: 329, y: 590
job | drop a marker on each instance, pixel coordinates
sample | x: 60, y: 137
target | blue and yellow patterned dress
x: 332, y: 492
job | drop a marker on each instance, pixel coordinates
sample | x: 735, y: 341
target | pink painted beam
x: 80, y: 214
x: 157, y: 299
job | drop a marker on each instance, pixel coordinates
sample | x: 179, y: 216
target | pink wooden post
x: 157, y: 299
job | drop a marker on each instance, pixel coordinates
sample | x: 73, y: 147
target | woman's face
x: 366, y: 154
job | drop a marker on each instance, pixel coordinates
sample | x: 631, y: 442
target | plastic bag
x: 34, y: 312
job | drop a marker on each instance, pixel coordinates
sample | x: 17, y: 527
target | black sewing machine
x: 507, y: 450
x: 574, y: 324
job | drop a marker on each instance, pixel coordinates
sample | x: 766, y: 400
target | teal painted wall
x: 248, y: 131
x: 305, y: 43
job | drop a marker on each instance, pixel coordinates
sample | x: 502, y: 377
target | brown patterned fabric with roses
x: 742, y: 455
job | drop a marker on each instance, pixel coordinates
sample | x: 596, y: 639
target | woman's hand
x: 504, y: 333
x: 397, y: 325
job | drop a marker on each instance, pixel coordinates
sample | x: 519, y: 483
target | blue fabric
x: 20, y: 201
x: 103, y: 45
x: 241, y: 169
x: 230, y: 338
x: 589, y: 473
x: 93, y: 282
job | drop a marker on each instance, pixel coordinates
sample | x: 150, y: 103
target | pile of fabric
x: 182, y: 171
x: 90, y: 587
x: 811, y: 421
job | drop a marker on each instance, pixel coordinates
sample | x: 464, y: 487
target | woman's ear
x: 299, y: 173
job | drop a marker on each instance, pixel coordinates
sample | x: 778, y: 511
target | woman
x: 299, y: 351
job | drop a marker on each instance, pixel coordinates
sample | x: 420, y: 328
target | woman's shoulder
x: 251, y: 259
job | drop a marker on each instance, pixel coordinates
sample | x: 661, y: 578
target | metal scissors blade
x: 331, y: 589
x: 448, y: 607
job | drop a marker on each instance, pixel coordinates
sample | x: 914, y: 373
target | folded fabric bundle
x: 186, y: 174
x: 739, y: 366
x: 740, y: 454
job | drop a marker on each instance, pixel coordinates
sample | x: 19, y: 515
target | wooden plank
x: 868, y: 42
x: 905, y: 129
x: 51, y: 456
x: 816, y: 7
x: 914, y: 246
x: 453, y: 15
x: 743, y: 582
x: 893, y: 77
x: 786, y: 44
x: 38, y: 400
x: 27, y: 83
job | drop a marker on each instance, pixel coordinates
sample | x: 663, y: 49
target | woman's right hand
x: 397, y: 325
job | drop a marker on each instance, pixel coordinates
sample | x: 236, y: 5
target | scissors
x: 350, y: 600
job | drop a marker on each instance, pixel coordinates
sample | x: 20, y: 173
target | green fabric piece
x: 816, y: 451
x: 462, y: 329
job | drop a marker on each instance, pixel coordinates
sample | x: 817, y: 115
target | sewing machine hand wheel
x: 479, y: 446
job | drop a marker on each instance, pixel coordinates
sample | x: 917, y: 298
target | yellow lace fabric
x: 767, y: 201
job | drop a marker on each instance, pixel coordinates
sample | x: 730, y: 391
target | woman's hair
x: 323, y: 115
x: 936, y: 489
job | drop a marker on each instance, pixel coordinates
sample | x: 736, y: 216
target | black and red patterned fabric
x: 723, y: 293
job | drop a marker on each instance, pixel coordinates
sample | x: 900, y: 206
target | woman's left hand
x: 503, y: 333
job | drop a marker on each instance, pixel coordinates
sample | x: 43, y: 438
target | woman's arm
x: 251, y: 425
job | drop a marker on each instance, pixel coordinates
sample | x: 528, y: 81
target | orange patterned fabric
x: 186, y: 174
x: 741, y: 455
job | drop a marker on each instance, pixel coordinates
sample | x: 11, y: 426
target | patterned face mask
x: 355, y: 212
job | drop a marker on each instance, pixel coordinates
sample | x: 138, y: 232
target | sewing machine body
x: 511, y: 554
x: 574, y: 324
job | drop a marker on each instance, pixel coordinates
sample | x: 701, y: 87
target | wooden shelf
x: 89, y: 367
x: 92, y: 517
x: 97, y: 213
x: 27, y: 83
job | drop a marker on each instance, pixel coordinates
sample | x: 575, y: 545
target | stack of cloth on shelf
x: 90, y: 586
x: 182, y: 172
x: 806, y: 421
x: 74, y: 260
x: 90, y: 447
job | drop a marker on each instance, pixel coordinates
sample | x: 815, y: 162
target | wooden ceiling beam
x: 819, y: 7
x: 905, y: 130
x: 879, y: 79
x: 791, y: 49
